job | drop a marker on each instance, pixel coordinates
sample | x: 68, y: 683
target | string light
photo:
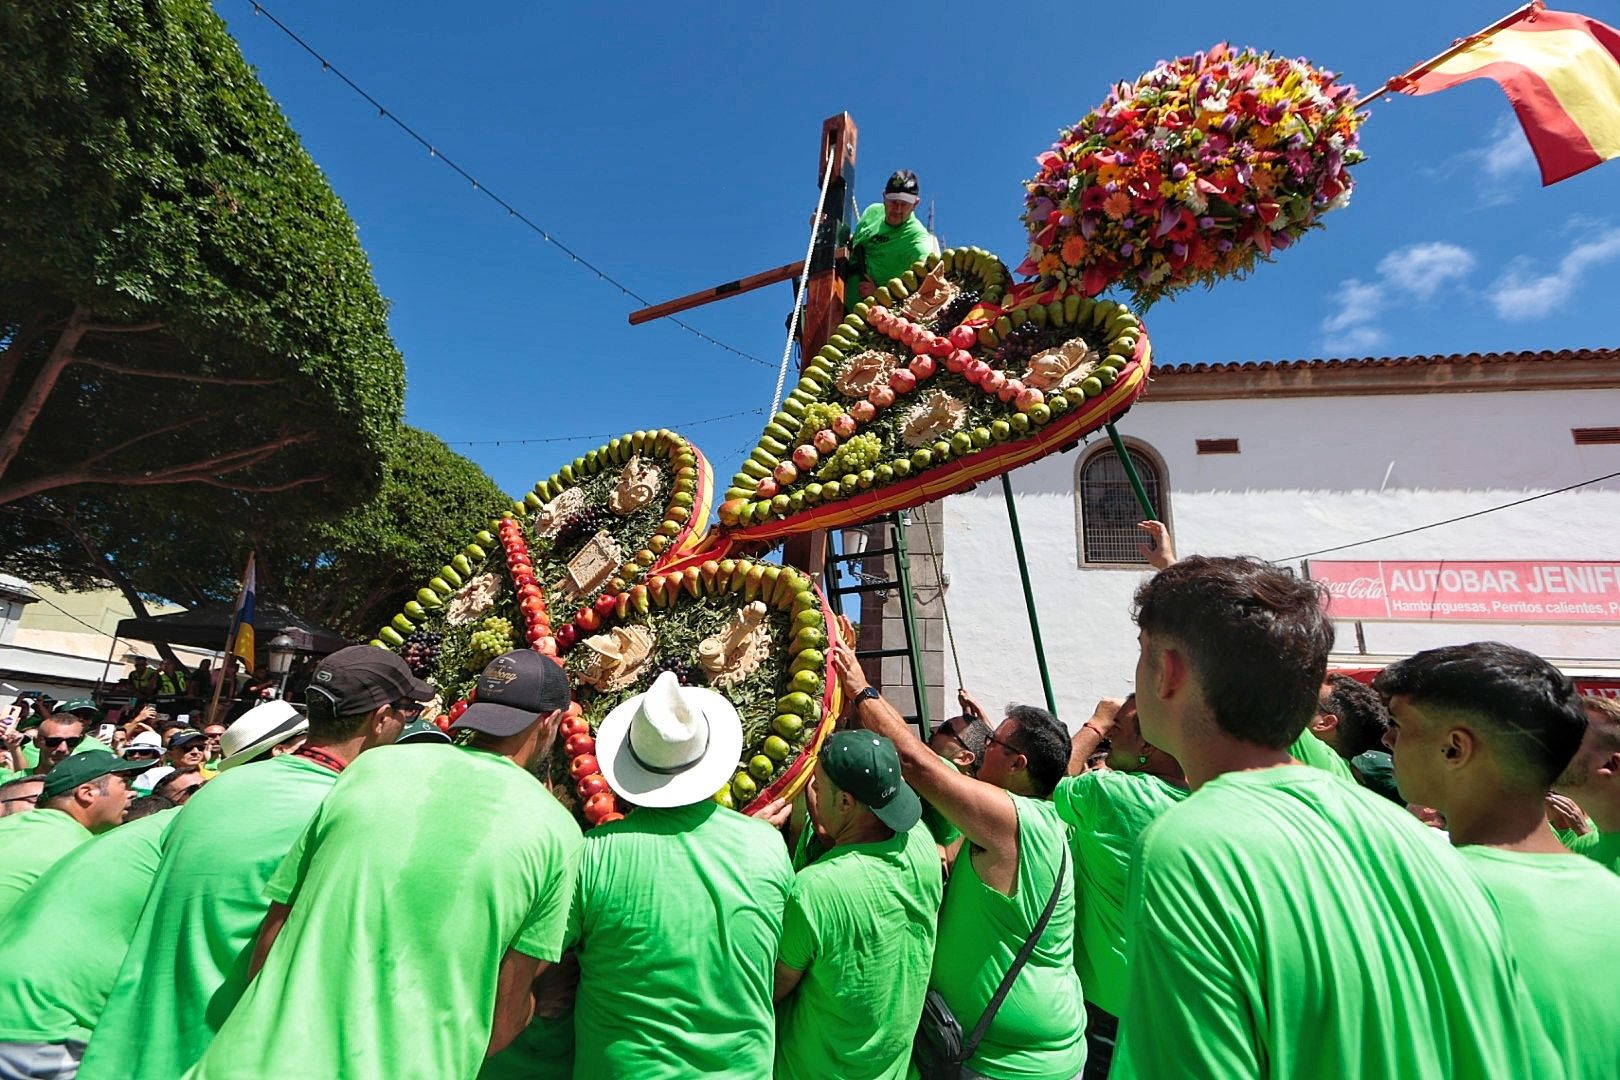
x: 605, y: 434
x: 512, y: 211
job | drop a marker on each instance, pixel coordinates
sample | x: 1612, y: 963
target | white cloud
x: 1415, y: 273
x: 1507, y: 152
x: 1522, y: 293
x: 1425, y: 269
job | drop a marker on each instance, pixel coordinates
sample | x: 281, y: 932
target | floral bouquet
x: 1207, y: 164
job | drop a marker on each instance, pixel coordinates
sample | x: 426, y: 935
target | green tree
x: 185, y: 306
x: 350, y: 574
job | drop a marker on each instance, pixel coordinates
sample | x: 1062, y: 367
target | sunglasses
x: 138, y: 755
x: 63, y: 740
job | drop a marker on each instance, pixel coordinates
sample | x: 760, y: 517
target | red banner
x: 1510, y: 592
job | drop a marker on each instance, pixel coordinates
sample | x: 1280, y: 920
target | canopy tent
x: 205, y: 627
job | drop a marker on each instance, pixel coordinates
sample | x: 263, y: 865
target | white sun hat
x: 257, y: 730
x: 671, y: 746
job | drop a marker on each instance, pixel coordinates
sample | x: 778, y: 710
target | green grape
x: 816, y: 417
x: 492, y: 639
x: 858, y: 454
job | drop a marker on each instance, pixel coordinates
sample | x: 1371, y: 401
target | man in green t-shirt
x: 858, y: 936
x: 888, y: 239
x: 188, y: 958
x: 409, y: 922
x: 1016, y: 859
x: 1351, y: 721
x: 677, y: 911
x: 1280, y: 922
x: 84, y: 795
x: 49, y: 1006
x: 1593, y: 780
x: 1108, y: 809
x: 960, y: 740
x: 1480, y: 733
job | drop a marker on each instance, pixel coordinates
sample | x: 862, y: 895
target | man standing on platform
x: 1282, y: 922
x: 858, y: 938
x: 678, y: 908
x: 188, y: 958
x: 888, y: 239
x: 408, y: 924
x: 1480, y: 733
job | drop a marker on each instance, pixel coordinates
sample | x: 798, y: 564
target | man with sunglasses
x: 188, y: 958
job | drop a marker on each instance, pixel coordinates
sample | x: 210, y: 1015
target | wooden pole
x: 1397, y: 81
x: 718, y: 292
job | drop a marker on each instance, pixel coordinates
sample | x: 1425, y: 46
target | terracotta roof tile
x: 1563, y: 355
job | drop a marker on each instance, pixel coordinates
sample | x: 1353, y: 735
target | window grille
x: 1216, y: 446
x: 1108, y: 508
x: 1596, y: 436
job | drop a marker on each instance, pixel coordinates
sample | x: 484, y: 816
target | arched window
x: 1106, y: 507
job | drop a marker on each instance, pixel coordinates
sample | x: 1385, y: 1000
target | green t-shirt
x: 1107, y: 812
x: 30, y: 754
x: 890, y: 249
x: 1309, y: 750
x: 1555, y: 908
x: 860, y: 925
x: 676, y: 919
x: 1375, y: 771
x: 188, y: 958
x: 1602, y: 847
x: 939, y: 827
x: 30, y: 844
x: 101, y: 886
x: 1284, y: 924
x: 542, y: 1051
x: 1040, y: 1029
x: 406, y: 894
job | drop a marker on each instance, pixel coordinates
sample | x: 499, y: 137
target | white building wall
x: 1312, y: 473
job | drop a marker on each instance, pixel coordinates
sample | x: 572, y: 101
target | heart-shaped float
x: 933, y: 386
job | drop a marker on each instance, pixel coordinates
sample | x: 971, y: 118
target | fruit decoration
x: 892, y: 413
x: 1201, y: 168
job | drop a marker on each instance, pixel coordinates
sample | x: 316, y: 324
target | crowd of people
x: 1247, y: 868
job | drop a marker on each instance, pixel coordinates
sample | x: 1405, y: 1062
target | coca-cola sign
x: 1511, y: 592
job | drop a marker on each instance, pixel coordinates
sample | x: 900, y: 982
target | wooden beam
x: 719, y: 292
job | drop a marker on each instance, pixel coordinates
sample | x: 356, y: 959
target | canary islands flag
x: 1560, y: 70
x: 240, y: 639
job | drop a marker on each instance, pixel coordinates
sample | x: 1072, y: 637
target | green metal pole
x: 1130, y: 473
x: 902, y: 566
x: 1029, y: 595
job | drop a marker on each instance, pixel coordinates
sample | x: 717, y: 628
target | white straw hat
x: 671, y: 746
x: 257, y: 730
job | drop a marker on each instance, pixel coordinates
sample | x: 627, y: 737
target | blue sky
x: 675, y: 146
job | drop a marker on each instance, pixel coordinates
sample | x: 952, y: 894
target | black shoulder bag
x: 939, y: 1052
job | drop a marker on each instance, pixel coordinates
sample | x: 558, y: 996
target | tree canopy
x: 183, y: 299
x: 349, y: 574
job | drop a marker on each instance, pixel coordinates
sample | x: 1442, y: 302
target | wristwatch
x: 866, y: 695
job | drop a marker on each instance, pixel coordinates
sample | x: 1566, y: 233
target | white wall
x: 1313, y: 473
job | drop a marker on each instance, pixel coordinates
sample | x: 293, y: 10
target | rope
x: 939, y: 582
x: 511, y: 211
x: 798, y: 295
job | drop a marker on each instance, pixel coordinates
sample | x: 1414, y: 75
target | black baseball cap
x: 868, y: 767
x: 361, y: 678
x: 513, y: 690
x: 903, y: 182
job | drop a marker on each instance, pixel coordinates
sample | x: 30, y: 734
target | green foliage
x: 164, y: 232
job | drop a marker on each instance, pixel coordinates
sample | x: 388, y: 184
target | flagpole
x: 1457, y: 46
x: 230, y: 651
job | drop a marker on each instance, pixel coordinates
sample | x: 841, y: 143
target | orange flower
x: 1117, y: 205
x: 1074, y: 249
x: 1049, y: 265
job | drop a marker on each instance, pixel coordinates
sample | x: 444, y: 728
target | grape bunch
x: 954, y: 312
x: 816, y: 417
x: 685, y: 672
x: 421, y: 652
x: 492, y: 638
x: 578, y: 527
x: 1016, y: 349
x: 860, y: 452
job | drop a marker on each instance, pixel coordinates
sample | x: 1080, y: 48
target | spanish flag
x: 240, y: 639
x: 1560, y: 70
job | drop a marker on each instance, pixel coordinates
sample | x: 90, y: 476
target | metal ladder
x: 837, y: 589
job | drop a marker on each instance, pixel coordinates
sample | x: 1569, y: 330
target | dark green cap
x: 78, y: 706
x: 868, y: 767
x: 76, y: 769
x: 422, y: 731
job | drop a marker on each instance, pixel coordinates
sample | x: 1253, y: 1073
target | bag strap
x: 1007, y: 980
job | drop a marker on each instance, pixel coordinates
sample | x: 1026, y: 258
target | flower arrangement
x: 1201, y: 168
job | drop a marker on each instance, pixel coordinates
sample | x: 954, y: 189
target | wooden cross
x: 824, y: 290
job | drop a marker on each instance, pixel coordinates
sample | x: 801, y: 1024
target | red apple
x: 922, y: 367
x: 573, y: 724
x: 862, y: 412
x: 566, y: 636
x: 615, y: 816
x: 592, y: 784
x: 579, y: 743
x: 964, y: 337
x: 582, y: 766
x: 806, y: 457
x: 587, y: 621
x: 605, y: 604
x: 902, y: 381
x: 599, y: 806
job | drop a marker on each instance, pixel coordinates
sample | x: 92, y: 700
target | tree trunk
x: 110, y: 569
x: 61, y: 354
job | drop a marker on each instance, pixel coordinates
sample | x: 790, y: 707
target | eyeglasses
x: 1005, y: 745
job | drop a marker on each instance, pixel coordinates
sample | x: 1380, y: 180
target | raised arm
x: 983, y: 812
x: 1092, y: 733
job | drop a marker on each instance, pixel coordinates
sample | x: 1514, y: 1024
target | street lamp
x: 282, y: 648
